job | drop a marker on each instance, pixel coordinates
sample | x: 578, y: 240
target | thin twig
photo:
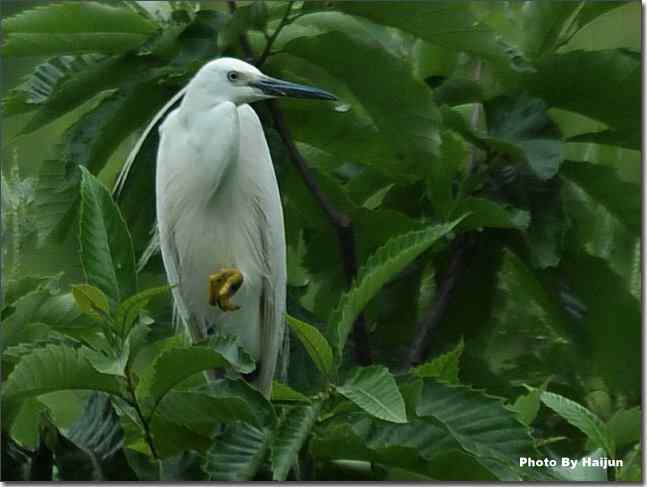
x: 147, y: 433
x: 242, y: 38
x: 460, y: 248
x: 341, y: 222
x: 270, y: 40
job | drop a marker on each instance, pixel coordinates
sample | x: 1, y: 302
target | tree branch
x: 341, y: 222
x: 462, y: 246
x: 270, y: 40
x: 421, y: 344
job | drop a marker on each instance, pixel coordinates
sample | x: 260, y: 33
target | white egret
x: 219, y: 210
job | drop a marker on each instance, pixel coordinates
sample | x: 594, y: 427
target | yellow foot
x: 222, y: 286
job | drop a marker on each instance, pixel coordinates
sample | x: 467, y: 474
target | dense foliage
x: 463, y: 233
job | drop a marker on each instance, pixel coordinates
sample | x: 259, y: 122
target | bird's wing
x: 157, y: 119
x: 272, y: 234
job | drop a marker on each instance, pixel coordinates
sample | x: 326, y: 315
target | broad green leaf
x: 522, y: 122
x: 98, y: 431
x: 91, y: 300
x: 238, y: 453
x: 108, y: 363
x: 518, y: 130
x: 442, y: 171
x: 17, y: 288
x: 54, y: 368
x: 583, y: 419
x: 106, y: 246
x: 582, y: 472
x: 56, y: 197
x: 448, y: 24
x: 264, y: 414
x: 406, y: 121
x: 171, y: 438
x: 58, y: 311
x: 43, y: 86
x: 90, y: 142
x: 610, y: 77
x: 422, y: 446
x: 549, y: 223
x: 315, y: 344
x: 290, y: 436
x: 284, y: 393
x: 203, y: 411
x: 174, y: 365
x: 624, y: 426
x: 444, y: 367
x: 527, y: 406
x: 128, y: 310
x: 480, y: 424
x: 382, y: 266
x: 602, y: 184
x: 612, y: 353
x: 631, y: 470
x: 374, y: 390
x: 482, y: 212
x: 74, y: 27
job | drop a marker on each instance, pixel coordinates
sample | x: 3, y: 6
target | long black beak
x: 277, y: 87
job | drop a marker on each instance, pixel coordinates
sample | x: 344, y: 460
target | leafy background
x: 463, y: 233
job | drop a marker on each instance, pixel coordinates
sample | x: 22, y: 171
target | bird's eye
x: 232, y: 76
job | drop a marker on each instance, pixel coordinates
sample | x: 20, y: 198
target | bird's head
x: 229, y: 79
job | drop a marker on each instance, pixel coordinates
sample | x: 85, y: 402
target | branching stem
x: 270, y: 39
x: 147, y: 432
x: 460, y: 248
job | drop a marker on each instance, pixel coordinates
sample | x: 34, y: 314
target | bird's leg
x: 222, y: 286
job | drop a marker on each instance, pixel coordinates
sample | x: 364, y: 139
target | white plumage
x: 218, y: 206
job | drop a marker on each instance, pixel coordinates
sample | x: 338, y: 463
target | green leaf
x: 290, y: 436
x: 59, y: 311
x: 443, y: 367
x: 108, y: 363
x: 602, y: 184
x: 624, y: 426
x: 383, y: 265
x: 631, y: 470
x: 45, y: 81
x: 72, y: 28
x: 238, y: 453
x: 487, y: 213
x: 374, y: 390
x: 128, y: 310
x: 441, y: 175
x: 98, y: 431
x: 445, y: 23
x: 527, y: 406
x: 54, y: 368
x: 90, y: 142
x: 91, y: 300
x: 284, y: 393
x: 584, y: 473
x: 610, y: 77
x: 405, y: 122
x: 480, y: 424
x: 583, y: 419
x: 521, y: 122
x: 174, y: 365
x: 315, y: 344
x: 261, y: 408
x: 202, y: 411
x: 106, y: 247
